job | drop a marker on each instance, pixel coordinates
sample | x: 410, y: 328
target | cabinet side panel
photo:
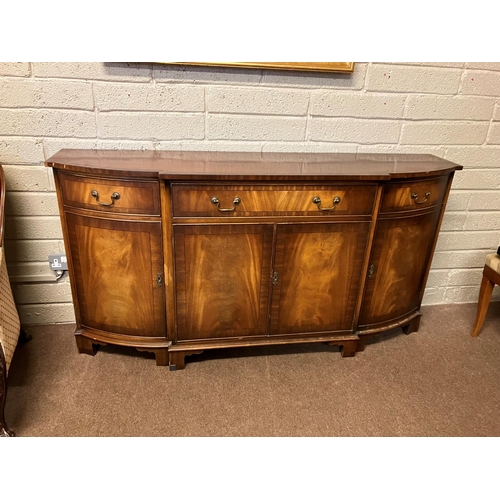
x: 67, y: 246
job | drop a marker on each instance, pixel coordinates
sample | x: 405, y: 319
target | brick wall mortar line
x: 308, y: 117
x: 205, y: 104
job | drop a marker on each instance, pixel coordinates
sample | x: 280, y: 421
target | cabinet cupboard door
x: 222, y: 275
x: 316, y: 276
x: 115, y: 267
x: 400, y: 257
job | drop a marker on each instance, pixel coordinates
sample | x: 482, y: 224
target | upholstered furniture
x: 9, y: 318
x: 491, y: 277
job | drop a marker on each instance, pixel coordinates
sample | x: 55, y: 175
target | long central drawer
x: 214, y: 200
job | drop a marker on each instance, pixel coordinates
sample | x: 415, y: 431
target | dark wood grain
x: 176, y: 165
x: 115, y: 266
x: 270, y: 200
x: 318, y: 270
x: 398, y: 195
x: 222, y: 280
x: 401, y: 251
x: 136, y: 197
x: 168, y: 261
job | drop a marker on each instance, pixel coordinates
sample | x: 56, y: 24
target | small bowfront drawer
x: 111, y: 195
x: 269, y: 200
x: 413, y: 195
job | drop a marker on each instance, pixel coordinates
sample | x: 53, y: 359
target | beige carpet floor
x: 437, y: 382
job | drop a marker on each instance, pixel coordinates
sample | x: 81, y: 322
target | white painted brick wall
x: 27, y: 179
x: 35, y: 203
x: 151, y: 126
x: 474, y: 156
x: 466, y: 240
x: 413, y: 79
x: 148, y: 97
x: 21, y: 250
x: 495, y: 66
x: 484, y: 200
x: 458, y: 201
x: 484, y: 83
x: 14, y: 69
x: 448, y: 109
x: 30, y: 93
x: 444, y: 132
x: 460, y: 259
x: 357, y: 105
x: 267, y: 128
x: 481, y: 221
x: 21, y: 151
x: 32, y: 228
x: 494, y: 137
x: 478, y: 179
x: 129, y: 72
x: 257, y: 101
x: 47, y: 122
x: 53, y: 145
x: 354, y: 130
x: 430, y: 107
x: 437, y: 64
x: 47, y: 293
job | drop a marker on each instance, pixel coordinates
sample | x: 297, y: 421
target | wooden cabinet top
x: 204, y: 165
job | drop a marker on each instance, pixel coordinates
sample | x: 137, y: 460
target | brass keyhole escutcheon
x: 275, y: 278
x: 371, y: 271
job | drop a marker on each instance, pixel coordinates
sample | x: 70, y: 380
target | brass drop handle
x: 317, y: 201
x: 216, y: 201
x: 414, y: 197
x: 115, y: 196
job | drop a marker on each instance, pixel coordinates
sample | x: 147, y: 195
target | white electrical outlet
x: 58, y: 262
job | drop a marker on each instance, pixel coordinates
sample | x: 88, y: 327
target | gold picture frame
x: 337, y: 67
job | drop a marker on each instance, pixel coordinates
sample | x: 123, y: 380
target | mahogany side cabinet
x: 179, y: 252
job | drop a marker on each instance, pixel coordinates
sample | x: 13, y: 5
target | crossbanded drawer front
x: 413, y: 195
x: 269, y: 200
x: 111, y: 195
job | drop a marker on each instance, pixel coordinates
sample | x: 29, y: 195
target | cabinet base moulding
x: 348, y: 345
x: 89, y: 344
